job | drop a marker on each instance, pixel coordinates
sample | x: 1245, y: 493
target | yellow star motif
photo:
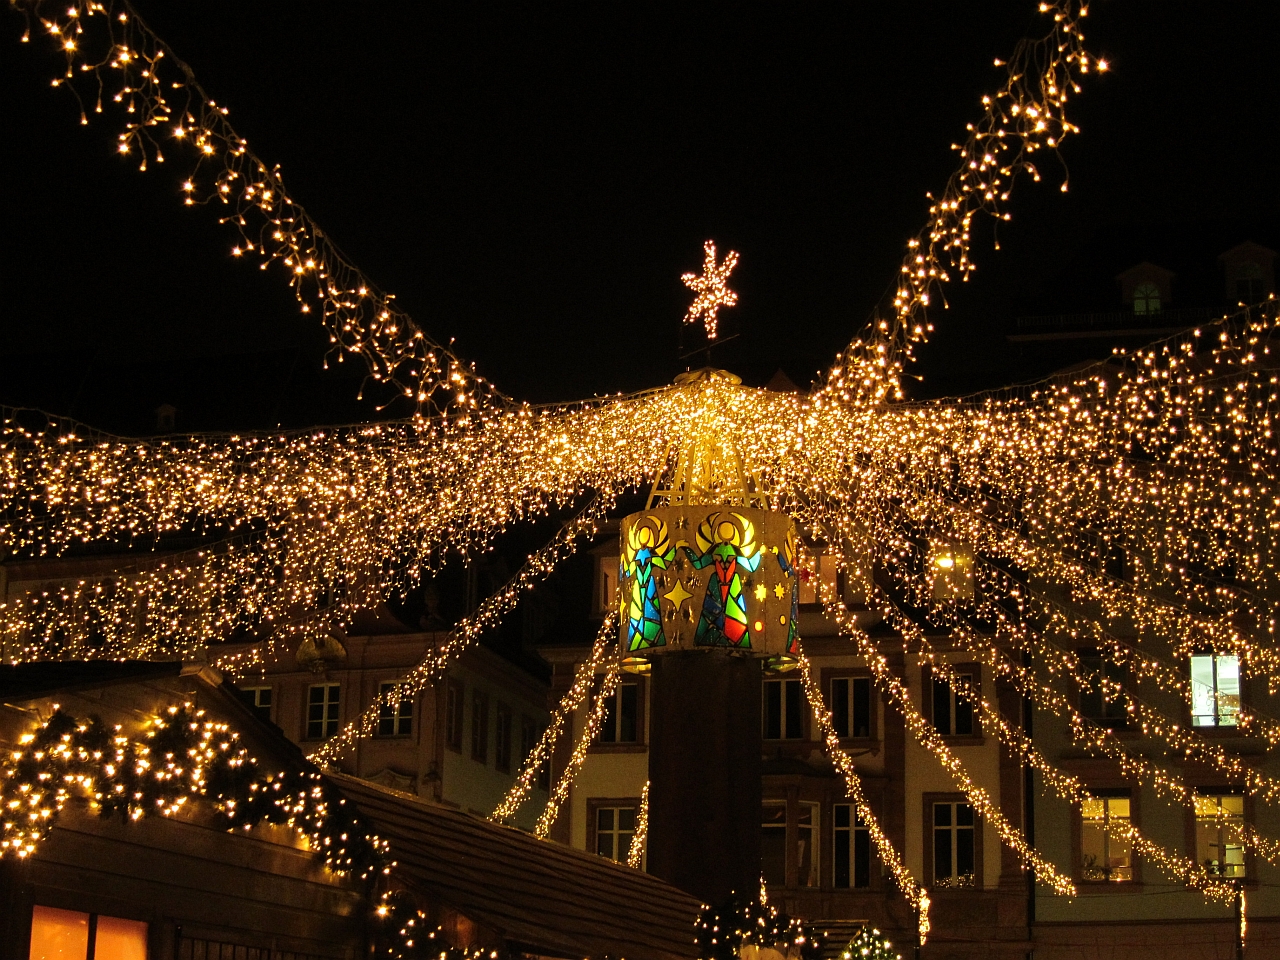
x: 779, y: 591
x: 761, y: 591
x: 711, y: 288
x: 678, y: 594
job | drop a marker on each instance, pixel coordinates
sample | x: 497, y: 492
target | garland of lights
x: 1165, y: 457
x: 722, y: 931
x: 640, y: 839
x: 179, y: 757
x: 111, y: 53
x: 542, y: 829
x: 544, y: 750
x: 868, y: 943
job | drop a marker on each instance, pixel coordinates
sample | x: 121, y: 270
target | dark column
x: 704, y: 774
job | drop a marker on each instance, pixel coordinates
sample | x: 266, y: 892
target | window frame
x: 395, y: 713
x: 1109, y: 789
x: 480, y: 730
x: 594, y: 806
x: 603, y: 606
x: 1247, y: 820
x: 829, y: 675
x: 784, y: 726
x: 454, y: 714
x: 502, y: 733
x: 853, y: 829
x: 325, y: 733
x: 1117, y: 724
x: 931, y: 881
x: 819, y: 554
x: 639, y: 744
x: 92, y: 918
x: 974, y: 672
x: 1217, y: 728
x: 261, y: 711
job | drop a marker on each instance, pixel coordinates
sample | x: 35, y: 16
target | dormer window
x: 1250, y: 285
x: 1146, y: 299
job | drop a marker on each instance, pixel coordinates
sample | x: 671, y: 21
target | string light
x: 712, y: 289
x: 590, y: 729
x: 640, y: 838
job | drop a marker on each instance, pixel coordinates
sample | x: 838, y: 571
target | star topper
x: 711, y: 288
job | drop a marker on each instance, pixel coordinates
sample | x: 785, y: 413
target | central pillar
x: 704, y: 773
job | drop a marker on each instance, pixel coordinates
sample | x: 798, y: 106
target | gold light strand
x: 580, y: 748
x: 544, y: 751
x: 110, y: 50
x: 466, y: 631
x: 640, y: 838
x: 853, y: 788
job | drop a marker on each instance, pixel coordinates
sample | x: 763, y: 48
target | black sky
x: 534, y: 179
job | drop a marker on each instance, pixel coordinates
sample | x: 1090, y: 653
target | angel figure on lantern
x: 648, y: 545
x: 727, y: 543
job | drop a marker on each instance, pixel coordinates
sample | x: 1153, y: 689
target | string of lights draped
x: 1132, y: 506
x: 114, y: 60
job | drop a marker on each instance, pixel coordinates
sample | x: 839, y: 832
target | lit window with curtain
x: 1215, y: 690
x: 1106, y: 850
x: 1220, y: 833
x: 73, y: 935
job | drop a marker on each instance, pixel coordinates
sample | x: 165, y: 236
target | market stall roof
x: 542, y: 897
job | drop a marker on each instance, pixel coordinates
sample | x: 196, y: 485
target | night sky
x: 534, y: 180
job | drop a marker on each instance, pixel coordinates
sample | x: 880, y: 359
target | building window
x: 1106, y: 850
x: 502, y: 738
x: 773, y: 842
x: 952, y: 708
x: 950, y: 573
x: 1250, y: 285
x: 71, y: 935
x: 852, y: 849
x: 258, y: 699
x: 954, y: 845
x: 395, y: 717
x: 1102, y: 700
x: 783, y: 710
x: 807, y: 845
x: 621, y: 721
x: 1146, y: 299
x: 322, y: 711
x: 1215, y: 690
x: 1220, y: 833
x: 607, y: 570
x: 479, y: 726
x: 453, y: 715
x: 851, y: 706
x: 615, y: 826
x: 822, y: 579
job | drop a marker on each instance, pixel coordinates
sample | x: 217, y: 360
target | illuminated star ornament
x: 713, y: 292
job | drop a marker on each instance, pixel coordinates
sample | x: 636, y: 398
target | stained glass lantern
x: 709, y: 577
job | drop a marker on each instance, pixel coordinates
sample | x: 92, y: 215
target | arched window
x: 1146, y: 298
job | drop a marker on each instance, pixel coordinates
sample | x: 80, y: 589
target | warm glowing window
x: 1219, y: 834
x: 1146, y: 299
x: 950, y: 573
x: 1106, y: 849
x: 852, y: 853
x: 71, y: 935
x: 1215, y: 690
x: 820, y: 580
x: 395, y: 717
